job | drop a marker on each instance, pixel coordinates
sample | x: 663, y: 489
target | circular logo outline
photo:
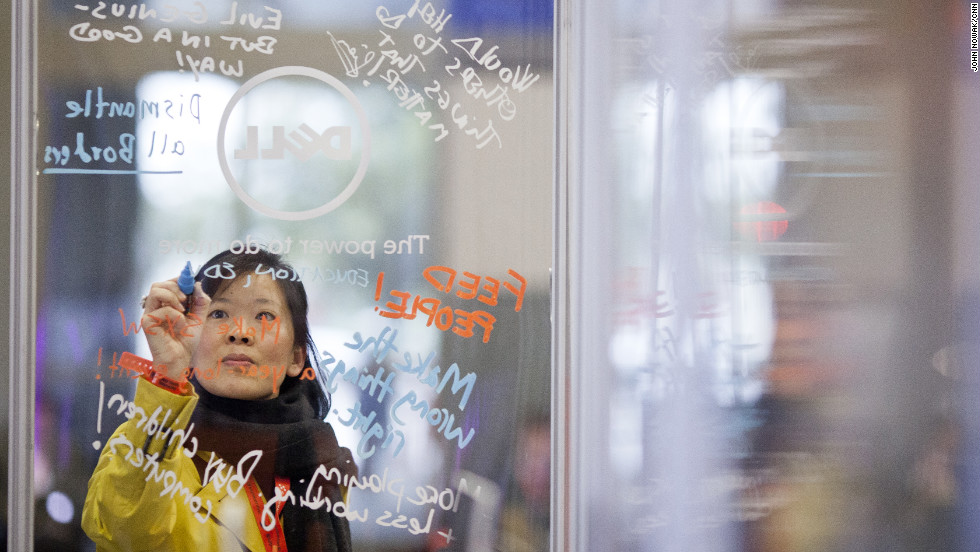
x: 326, y: 78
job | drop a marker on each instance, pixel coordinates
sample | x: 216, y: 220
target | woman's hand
x: 171, y: 333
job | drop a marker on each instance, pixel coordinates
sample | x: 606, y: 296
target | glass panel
x: 398, y: 156
x: 765, y: 191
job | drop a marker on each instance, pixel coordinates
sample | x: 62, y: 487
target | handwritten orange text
x: 466, y: 286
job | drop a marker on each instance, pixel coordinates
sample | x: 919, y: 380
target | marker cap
x: 186, y: 280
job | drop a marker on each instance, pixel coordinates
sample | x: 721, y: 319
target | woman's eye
x: 265, y: 316
x: 217, y: 313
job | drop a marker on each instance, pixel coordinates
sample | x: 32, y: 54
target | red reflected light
x: 764, y: 227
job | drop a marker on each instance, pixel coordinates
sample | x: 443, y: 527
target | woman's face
x: 247, y: 345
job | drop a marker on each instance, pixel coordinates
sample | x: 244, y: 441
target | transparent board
x: 397, y: 157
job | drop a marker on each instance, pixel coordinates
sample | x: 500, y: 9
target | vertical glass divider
x: 560, y: 453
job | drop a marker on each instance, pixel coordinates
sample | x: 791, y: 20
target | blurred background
x: 772, y: 277
x: 750, y: 237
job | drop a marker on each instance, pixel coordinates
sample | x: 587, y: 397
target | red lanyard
x: 274, y: 539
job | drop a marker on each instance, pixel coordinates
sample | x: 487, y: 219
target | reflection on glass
x: 783, y: 354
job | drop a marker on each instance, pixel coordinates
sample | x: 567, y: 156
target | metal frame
x: 581, y: 263
x: 23, y: 271
x: 562, y: 518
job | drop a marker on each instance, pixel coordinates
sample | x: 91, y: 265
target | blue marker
x: 186, y: 284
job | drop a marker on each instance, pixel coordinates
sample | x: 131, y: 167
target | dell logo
x: 303, y: 143
x: 294, y: 143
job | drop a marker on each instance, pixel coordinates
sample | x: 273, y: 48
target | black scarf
x: 294, y: 442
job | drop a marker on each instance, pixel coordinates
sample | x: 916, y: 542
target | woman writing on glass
x: 225, y: 432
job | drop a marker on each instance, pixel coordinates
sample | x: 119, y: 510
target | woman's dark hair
x: 228, y: 266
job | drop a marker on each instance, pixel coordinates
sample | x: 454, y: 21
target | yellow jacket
x: 146, y: 493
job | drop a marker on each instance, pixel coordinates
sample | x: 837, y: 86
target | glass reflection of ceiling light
x: 178, y: 136
x: 741, y: 127
x: 59, y: 507
x: 755, y: 132
x: 629, y: 348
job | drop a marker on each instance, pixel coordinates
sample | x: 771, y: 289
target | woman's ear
x: 299, y: 361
